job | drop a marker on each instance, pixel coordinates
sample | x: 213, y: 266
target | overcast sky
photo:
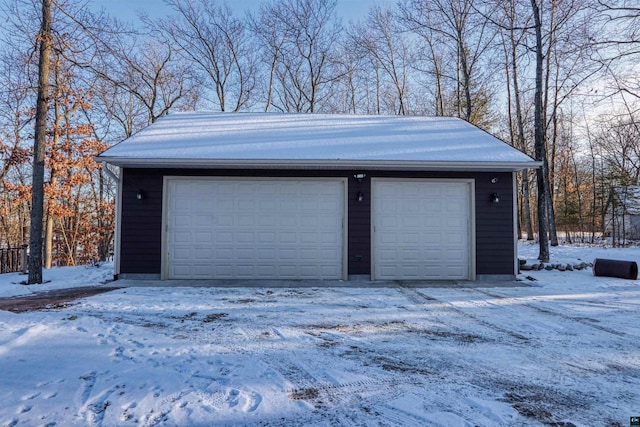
x: 126, y: 10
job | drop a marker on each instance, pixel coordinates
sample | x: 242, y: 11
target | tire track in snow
x: 421, y: 298
x: 353, y: 403
x: 336, y: 402
x: 537, y: 399
x: 345, y: 403
x: 586, y: 321
x: 319, y: 390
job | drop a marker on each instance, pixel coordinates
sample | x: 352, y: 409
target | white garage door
x: 421, y: 229
x: 254, y: 229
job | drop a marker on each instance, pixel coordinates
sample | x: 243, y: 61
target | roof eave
x: 318, y: 164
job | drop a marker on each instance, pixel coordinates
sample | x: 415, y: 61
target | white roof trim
x: 315, y: 164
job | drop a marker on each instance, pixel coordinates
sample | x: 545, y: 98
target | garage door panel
x: 266, y: 254
x: 223, y: 271
x: 255, y: 229
x: 266, y: 237
x: 205, y: 254
x: 203, y: 221
x: 223, y: 220
x: 410, y: 240
x: 223, y: 254
x: 330, y: 239
x: 245, y: 271
x: 266, y: 270
x: 181, y: 254
x: 455, y: 241
x: 427, y: 235
x: 307, y: 238
x: 182, y: 237
x: 203, y: 236
x: 286, y: 238
x: 245, y: 254
x: 222, y: 205
x: 183, y: 220
x: 245, y: 220
x: 388, y: 271
x: 411, y: 222
x: 267, y: 204
x: 201, y: 270
x: 200, y: 205
x: 267, y: 221
x: 222, y: 237
x: 433, y: 207
x: 245, y: 238
x: 328, y: 255
x: 309, y: 221
x: 182, y: 270
x: 389, y: 220
x: 410, y: 255
x: 287, y: 254
x: 307, y: 255
x: 411, y: 271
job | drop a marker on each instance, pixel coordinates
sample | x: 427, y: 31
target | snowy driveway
x: 563, y: 351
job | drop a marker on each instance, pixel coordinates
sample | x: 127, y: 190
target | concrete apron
x: 352, y: 283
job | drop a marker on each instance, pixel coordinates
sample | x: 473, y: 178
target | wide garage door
x: 422, y: 230
x: 254, y: 228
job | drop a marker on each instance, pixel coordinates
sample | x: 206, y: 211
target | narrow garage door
x: 421, y: 230
x: 254, y: 229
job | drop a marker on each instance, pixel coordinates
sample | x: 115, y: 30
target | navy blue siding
x: 141, y: 219
x: 141, y: 222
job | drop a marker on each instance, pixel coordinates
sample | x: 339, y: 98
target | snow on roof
x: 289, y: 138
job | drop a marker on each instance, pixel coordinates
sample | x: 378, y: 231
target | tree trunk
x: 438, y: 82
x: 540, y: 149
x: 550, y: 209
x: 53, y: 175
x: 576, y: 177
x: 48, y: 242
x: 548, y: 168
x: 514, y: 142
x: 527, y: 204
x: 377, y: 89
x: 521, y: 137
x: 550, y: 177
x: 466, y: 80
x: 37, y: 191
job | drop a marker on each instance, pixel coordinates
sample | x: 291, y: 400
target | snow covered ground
x: 562, y: 350
x: 12, y: 285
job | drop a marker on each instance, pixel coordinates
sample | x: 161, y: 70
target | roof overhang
x: 128, y: 162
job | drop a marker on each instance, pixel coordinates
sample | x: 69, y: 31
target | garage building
x: 314, y: 196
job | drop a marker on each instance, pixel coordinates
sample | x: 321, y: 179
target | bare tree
x: 380, y: 39
x: 618, y: 139
x: 618, y: 45
x: 468, y: 37
x: 143, y: 81
x: 431, y: 56
x: 45, y: 41
x: 540, y: 139
x: 303, y: 72
x: 267, y: 30
x: 16, y: 121
x: 218, y: 43
x: 513, y: 34
x: 350, y: 91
